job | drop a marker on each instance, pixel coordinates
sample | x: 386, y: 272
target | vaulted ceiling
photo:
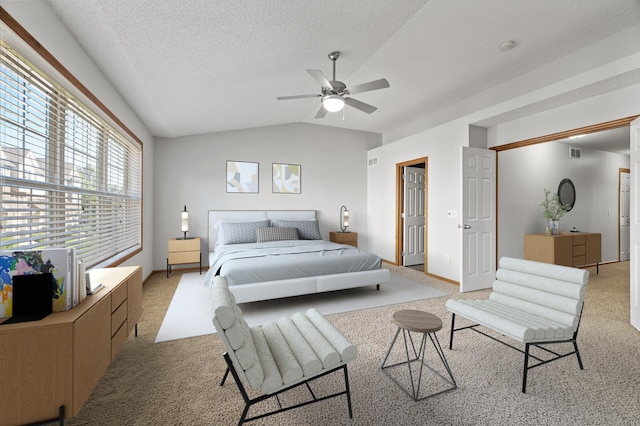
x: 199, y: 66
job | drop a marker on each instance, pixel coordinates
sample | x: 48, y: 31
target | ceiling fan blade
x: 320, y: 78
x: 321, y: 112
x: 360, y: 105
x: 284, y: 98
x: 367, y: 87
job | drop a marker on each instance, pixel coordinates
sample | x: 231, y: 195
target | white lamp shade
x: 333, y: 103
x: 185, y: 222
x: 345, y: 218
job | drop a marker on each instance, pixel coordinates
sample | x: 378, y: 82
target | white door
x: 635, y: 224
x: 413, y: 215
x: 624, y: 210
x: 478, y: 217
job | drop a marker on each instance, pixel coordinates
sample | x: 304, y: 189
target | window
x: 68, y: 178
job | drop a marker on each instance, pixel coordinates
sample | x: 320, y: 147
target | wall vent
x: 574, y: 152
x: 373, y: 161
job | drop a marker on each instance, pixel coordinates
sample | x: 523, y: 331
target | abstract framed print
x: 242, y: 176
x: 286, y: 178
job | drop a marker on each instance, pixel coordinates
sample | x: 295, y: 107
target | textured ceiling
x: 191, y: 67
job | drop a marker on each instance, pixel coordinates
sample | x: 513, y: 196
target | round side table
x: 426, y: 324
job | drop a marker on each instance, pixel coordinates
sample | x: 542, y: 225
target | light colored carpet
x: 178, y: 382
x: 189, y: 313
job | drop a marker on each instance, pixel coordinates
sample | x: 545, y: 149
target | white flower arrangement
x: 553, y: 208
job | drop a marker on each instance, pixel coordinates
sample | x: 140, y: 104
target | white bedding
x: 281, y: 260
x: 317, y: 278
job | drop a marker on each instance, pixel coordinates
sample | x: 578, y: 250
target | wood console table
x: 568, y: 249
x: 49, y: 368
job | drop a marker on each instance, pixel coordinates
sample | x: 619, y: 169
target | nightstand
x: 350, y: 238
x: 184, y: 251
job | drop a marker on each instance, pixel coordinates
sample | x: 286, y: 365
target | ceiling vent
x: 373, y: 161
x: 574, y: 152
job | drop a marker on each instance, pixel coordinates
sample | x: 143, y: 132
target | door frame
x: 620, y: 172
x: 400, y: 206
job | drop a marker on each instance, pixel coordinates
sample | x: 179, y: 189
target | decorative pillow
x: 307, y: 229
x: 264, y: 235
x: 241, y: 232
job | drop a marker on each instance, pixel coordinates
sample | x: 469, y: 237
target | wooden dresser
x: 57, y: 361
x: 568, y: 249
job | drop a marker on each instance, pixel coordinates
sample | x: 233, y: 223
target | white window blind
x: 67, y: 177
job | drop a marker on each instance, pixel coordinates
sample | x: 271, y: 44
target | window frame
x: 81, y: 94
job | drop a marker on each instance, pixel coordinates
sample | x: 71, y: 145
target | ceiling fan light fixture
x: 333, y: 103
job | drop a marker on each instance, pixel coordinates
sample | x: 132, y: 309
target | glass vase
x: 553, y: 227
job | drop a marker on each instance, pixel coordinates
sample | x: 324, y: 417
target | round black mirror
x: 567, y: 193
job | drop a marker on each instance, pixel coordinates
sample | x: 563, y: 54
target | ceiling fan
x: 334, y: 93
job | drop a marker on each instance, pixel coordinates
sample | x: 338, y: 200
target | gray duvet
x: 281, y: 260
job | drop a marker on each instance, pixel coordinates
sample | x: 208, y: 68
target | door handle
x: 464, y: 226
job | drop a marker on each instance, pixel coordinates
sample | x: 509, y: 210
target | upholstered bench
x: 533, y: 303
x: 278, y: 356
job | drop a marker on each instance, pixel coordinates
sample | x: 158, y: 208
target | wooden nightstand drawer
x: 350, y: 238
x: 176, y: 245
x: 184, y: 257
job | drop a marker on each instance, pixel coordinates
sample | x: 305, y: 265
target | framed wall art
x: 242, y: 176
x: 286, y: 178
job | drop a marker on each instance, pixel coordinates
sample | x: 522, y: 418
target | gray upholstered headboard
x: 251, y: 215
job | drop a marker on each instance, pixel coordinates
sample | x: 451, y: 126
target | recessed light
x: 577, y: 136
x: 507, y: 45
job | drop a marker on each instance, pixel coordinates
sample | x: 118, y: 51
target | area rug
x: 189, y: 313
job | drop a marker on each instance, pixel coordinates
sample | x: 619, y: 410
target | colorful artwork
x: 286, y: 178
x: 55, y: 261
x: 242, y: 177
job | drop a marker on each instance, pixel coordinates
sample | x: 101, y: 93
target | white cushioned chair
x: 278, y: 356
x: 534, y: 303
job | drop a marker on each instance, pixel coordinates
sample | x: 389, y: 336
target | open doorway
x: 411, y: 214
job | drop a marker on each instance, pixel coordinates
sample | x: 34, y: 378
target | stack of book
x: 68, y: 286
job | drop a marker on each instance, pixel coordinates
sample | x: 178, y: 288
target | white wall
x: 586, y: 96
x: 441, y: 146
x: 191, y: 171
x: 524, y: 173
x: 43, y: 25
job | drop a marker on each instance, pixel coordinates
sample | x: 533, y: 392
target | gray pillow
x: 241, y: 232
x: 265, y: 235
x: 307, y: 229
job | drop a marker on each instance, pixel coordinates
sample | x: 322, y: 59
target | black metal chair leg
x: 224, y: 378
x: 453, y: 322
x: 526, y: 369
x: 575, y: 346
x: 346, y: 384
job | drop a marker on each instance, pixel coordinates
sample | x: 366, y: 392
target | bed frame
x: 253, y: 292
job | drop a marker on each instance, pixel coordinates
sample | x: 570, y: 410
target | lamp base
x: 185, y: 238
x: 345, y: 231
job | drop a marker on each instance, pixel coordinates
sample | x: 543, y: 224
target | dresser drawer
x: 118, y: 339
x: 579, y: 260
x: 118, y: 295
x: 118, y: 318
x: 579, y: 250
x: 579, y: 240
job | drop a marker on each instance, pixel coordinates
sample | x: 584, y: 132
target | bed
x: 270, y: 254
